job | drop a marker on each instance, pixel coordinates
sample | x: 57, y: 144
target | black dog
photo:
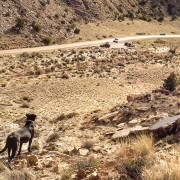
x: 21, y: 136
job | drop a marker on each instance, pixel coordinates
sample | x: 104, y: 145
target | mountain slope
x: 34, y: 23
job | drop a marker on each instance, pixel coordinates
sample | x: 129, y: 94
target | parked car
x: 163, y: 33
x: 126, y: 43
x: 116, y: 40
x: 107, y: 45
x: 129, y: 44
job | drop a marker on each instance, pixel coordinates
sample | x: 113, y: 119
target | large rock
x: 128, y: 131
x: 122, y: 133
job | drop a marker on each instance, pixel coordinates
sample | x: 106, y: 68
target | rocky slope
x: 40, y: 22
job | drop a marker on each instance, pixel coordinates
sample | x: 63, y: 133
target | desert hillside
x: 44, y: 22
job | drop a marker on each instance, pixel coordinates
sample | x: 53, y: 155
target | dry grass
x: 144, y: 145
x: 140, y: 159
x: 6, y: 174
x: 163, y: 166
x: 53, y: 137
x: 88, y: 144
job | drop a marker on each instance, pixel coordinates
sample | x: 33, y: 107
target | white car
x: 116, y: 40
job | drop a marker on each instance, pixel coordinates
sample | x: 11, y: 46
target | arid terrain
x: 42, y: 22
x: 94, y: 105
x: 80, y: 99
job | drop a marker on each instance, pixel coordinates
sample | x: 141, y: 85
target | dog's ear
x: 34, y: 117
x: 31, y: 117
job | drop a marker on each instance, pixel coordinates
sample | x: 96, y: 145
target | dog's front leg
x: 29, y: 147
x: 20, y: 148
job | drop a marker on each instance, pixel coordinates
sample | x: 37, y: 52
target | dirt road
x: 82, y: 44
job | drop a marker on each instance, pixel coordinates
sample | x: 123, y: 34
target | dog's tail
x: 6, y: 146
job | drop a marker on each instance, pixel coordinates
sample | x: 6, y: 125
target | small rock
x: 32, y: 160
x: 110, y: 133
x: 94, y: 176
x: 120, y: 125
x: 56, y: 169
x: 81, y: 174
x: 97, y: 148
x: 143, y: 108
x: 38, y: 167
x: 83, y: 152
x: 133, y: 122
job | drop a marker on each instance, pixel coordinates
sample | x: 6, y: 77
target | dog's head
x: 31, y: 117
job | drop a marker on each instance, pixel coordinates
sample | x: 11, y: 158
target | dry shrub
x: 24, y: 174
x: 25, y: 105
x: 65, y: 116
x: 133, y: 167
x: 87, y: 162
x: 124, y: 151
x: 163, y: 166
x: 53, y: 137
x: 66, y: 174
x: 144, y: 144
x: 88, y: 144
x: 35, y: 145
x: 133, y: 154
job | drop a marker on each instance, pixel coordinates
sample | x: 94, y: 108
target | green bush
x: 20, y: 23
x: 47, y: 40
x: 142, y: 2
x: 173, y: 18
x: 133, y: 168
x: 77, y: 31
x: 160, y: 19
x: 171, y: 82
x: 37, y: 27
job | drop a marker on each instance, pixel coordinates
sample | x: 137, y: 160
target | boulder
x: 128, y: 131
x: 122, y: 133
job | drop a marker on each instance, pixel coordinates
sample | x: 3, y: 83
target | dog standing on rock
x: 17, y: 138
